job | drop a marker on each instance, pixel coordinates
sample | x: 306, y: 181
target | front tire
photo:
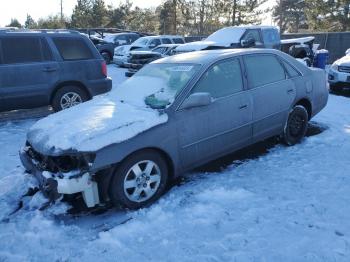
x: 296, y: 126
x: 140, y: 180
x: 68, y: 96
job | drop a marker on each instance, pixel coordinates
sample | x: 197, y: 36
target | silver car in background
x: 339, y: 73
x: 175, y: 114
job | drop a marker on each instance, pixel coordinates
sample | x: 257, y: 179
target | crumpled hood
x: 92, y: 126
x: 200, y: 45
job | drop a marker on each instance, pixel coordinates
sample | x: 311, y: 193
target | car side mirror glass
x: 250, y: 42
x: 196, y: 100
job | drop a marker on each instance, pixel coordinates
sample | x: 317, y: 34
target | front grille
x: 344, y: 69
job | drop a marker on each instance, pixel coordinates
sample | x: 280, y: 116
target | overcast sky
x: 42, y: 8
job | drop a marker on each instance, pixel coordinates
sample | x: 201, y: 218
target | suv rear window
x: 17, y: 50
x: 72, y: 48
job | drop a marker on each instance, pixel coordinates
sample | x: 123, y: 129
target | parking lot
x: 285, y: 202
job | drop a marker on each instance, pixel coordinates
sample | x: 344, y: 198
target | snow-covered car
x: 175, y: 114
x: 236, y: 37
x: 137, y: 59
x: 339, y: 73
x: 120, y: 56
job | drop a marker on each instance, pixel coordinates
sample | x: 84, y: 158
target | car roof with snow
x: 209, y: 56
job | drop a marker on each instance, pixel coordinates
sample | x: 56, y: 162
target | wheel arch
x: 69, y: 83
x: 307, y: 104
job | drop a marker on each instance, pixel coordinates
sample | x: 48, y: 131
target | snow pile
x: 112, y: 118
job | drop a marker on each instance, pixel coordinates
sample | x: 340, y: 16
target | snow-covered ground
x: 291, y: 204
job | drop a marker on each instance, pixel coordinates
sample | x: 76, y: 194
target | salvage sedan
x: 175, y: 114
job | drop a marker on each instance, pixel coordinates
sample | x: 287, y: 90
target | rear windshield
x: 72, y: 48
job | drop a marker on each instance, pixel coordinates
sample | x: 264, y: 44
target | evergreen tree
x: 81, y: 17
x: 289, y: 15
x: 14, y: 23
x: 30, y: 23
x: 99, y: 14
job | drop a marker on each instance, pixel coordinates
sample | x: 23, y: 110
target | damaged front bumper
x: 54, y: 185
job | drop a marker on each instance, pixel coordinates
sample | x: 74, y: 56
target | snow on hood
x: 199, y: 45
x: 345, y: 61
x: 113, y: 118
x: 221, y: 38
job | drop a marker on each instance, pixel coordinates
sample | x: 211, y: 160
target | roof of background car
x: 209, y: 56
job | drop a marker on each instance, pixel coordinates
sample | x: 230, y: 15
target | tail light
x: 104, y: 68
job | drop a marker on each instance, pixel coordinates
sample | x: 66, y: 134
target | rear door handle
x: 243, y: 107
x: 290, y: 91
x: 49, y: 69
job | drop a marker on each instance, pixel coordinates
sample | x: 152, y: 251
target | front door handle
x: 243, y: 107
x: 49, y: 69
x: 290, y: 91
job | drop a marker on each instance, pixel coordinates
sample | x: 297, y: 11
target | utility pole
x: 61, y: 11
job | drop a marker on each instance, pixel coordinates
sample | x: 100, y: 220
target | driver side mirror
x: 197, y: 100
x: 250, y: 42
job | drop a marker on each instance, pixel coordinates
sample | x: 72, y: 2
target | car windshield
x: 141, y: 41
x: 156, y: 85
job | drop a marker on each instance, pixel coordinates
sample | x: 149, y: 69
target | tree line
x: 200, y: 17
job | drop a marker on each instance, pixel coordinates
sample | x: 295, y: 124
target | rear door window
x: 271, y: 37
x: 72, y: 48
x: 17, y: 50
x: 263, y: 70
x: 155, y: 42
x: 292, y: 72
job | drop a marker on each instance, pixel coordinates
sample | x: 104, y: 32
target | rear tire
x: 139, y: 181
x: 68, y: 96
x: 296, y: 126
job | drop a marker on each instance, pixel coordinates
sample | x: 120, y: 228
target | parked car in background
x: 121, y: 55
x: 148, y: 43
x: 59, y: 68
x: 105, y: 48
x: 119, y: 39
x: 300, y: 48
x: 137, y: 59
x: 175, y: 114
x: 339, y: 73
x: 253, y: 36
x: 237, y: 37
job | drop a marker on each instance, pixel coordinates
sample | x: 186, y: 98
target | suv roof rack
x: 16, y: 30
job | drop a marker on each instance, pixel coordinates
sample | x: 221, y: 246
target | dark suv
x: 59, y: 68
